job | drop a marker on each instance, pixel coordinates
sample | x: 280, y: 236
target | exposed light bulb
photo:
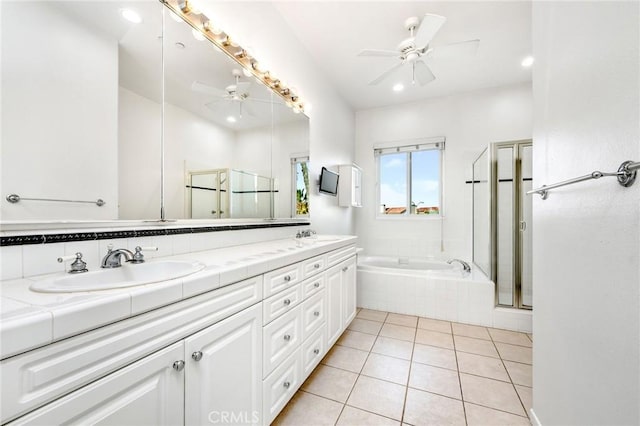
x: 399, y: 87
x: 527, y: 62
x: 246, y: 72
x: 194, y: 7
x: 131, y: 16
x: 197, y: 35
x: 231, y: 119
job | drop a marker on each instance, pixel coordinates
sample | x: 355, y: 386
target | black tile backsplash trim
x: 19, y: 240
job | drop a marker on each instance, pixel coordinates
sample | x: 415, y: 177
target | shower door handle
x: 523, y: 226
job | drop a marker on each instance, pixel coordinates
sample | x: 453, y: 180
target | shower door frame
x: 517, y: 214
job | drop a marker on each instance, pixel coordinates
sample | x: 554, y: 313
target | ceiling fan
x: 413, y: 50
x: 238, y: 93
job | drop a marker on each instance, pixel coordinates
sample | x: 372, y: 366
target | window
x: 300, y: 195
x: 410, y: 179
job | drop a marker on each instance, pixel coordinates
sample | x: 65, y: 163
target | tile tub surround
x: 371, y: 379
x: 31, y: 319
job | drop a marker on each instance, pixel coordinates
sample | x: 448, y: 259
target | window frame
x: 295, y: 160
x: 409, y: 146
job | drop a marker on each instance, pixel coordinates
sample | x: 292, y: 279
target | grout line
x: 495, y: 409
x: 406, y: 388
x: 464, y: 410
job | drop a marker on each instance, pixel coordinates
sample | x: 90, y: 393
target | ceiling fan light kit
x: 201, y: 23
x: 413, y: 50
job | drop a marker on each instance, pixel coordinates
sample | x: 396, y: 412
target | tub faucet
x: 464, y: 264
x: 113, y: 257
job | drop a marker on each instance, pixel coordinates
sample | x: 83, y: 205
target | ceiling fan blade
x: 386, y: 74
x: 428, y: 28
x: 422, y: 73
x: 198, y: 86
x: 455, y: 50
x: 378, y: 52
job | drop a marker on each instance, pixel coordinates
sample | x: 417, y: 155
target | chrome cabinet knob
x: 178, y: 365
x: 316, y: 313
x: 345, y: 269
x: 316, y: 351
x: 287, y: 337
x: 317, y: 265
x: 287, y: 302
x: 287, y: 278
x: 286, y: 384
x: 196, y: 356
x: 316, y: 285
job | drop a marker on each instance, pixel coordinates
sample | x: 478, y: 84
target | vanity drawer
x: 313, y: 285
x: 281, y: 303
x: 280, y: 339
x: 340, y: 254
x: 313, y: 349
x: 314, y: 265
x: 42, y: 375
x: 280, y: 386
x: 283, y: 278
x: 314, y: 313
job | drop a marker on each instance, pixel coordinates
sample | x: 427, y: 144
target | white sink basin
x: 128, y: 275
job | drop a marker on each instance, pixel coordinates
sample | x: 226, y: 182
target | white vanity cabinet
x: 341, y: 294
x: 350, y: 186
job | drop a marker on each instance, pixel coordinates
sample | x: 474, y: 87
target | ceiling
x: 334, y: 32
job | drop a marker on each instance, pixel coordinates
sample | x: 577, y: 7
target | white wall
x: 331, y: 125
x: 76, y: 162
x: 469, y: 122
x: 586, y: 237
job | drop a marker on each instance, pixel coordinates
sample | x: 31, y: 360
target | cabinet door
x: 334, y: 304
x: 147, y: 392
x: 224, y: 371
x: 348, y: 271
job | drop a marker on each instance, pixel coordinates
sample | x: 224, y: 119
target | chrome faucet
x: 113, y: 258
x: 464, y: 264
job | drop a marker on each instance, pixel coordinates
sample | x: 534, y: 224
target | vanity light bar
x: 197, y: 20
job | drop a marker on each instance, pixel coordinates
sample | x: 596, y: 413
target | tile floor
x: 390, y: 369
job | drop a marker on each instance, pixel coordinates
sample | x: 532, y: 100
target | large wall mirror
x: 87, y: 115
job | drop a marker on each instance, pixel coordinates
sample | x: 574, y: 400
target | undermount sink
x: 128, y: 275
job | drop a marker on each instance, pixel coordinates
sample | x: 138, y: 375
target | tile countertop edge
x: 43, y: 313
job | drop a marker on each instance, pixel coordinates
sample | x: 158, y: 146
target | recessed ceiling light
x: 398, y: 87
x: 527, y: 62
x: 197, y: 35
x: 231, y: 119
x: 131, y: 16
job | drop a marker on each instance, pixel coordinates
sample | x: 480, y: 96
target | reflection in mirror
x: 219, y: 120
x: 81, y: 109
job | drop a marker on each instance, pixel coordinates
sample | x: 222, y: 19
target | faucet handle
x: 138, y: 257
x: 78, y: 264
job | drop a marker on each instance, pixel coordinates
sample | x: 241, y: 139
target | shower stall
x: 502, y: 175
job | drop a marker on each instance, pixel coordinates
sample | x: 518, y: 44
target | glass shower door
x: 526, y: 184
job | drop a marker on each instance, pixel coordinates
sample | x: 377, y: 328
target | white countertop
x: 30, y: 319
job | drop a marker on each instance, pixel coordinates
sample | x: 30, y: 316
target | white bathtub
x: 424, y: 287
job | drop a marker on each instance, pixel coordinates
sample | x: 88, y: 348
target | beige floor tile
x: 526, y: 396
x: 514, y: 353
x: 530, y: 336
x: 424, y: 408
x: 355, y: 417
x: 483, y: 416
x: 482, y: 366
x: 438, y: 357
x: 474, y: 331
x: 346, y: 358
x: 491, y: 393
x: 434, y: 338
x: 433, y: 379
x: 304, y: 406
x: 372, y: 315
x: 393, y: 347
x: 378, y: 396
x: 405, y: 320
x: 365, y: 326
x: 511, y: 337
x: 398, y: 332
x: 520, y: 374
x: 434, y: 325
x: 476, y: 346
x: 330, y: 382
x: 357, y: 340
x: 387, y: 368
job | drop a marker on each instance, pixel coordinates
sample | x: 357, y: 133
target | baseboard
x: 534, y: 418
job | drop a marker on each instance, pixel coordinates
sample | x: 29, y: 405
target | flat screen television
x: 329, y: 182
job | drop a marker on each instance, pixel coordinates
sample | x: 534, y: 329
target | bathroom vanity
x: 230, y: 343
